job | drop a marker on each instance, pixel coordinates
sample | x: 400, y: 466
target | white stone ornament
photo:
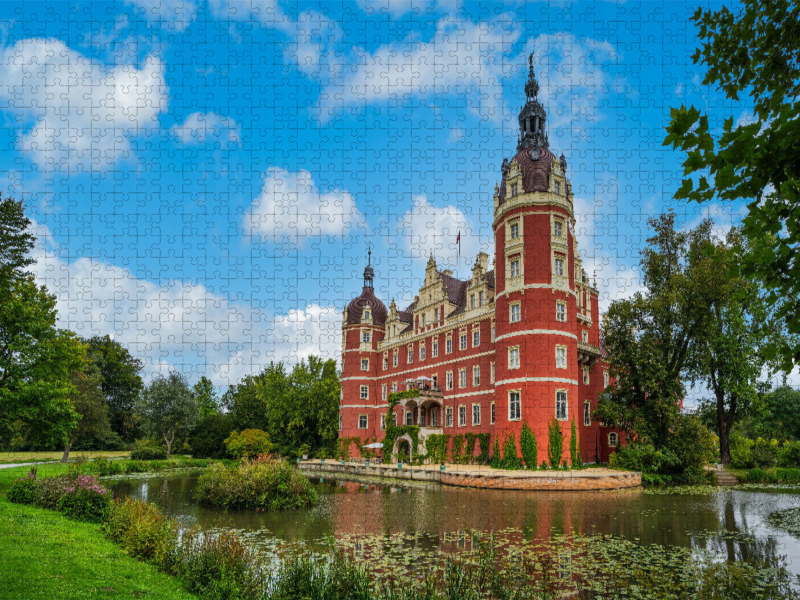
x: 535, y: 153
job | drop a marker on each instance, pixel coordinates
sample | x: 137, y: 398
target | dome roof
x: 535, y: 173
x: 367, y: 299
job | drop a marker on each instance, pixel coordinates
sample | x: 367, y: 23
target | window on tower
x: 561, y: 311
x: 514, y: 406
x: 513, y: 190
x: 561, y: 357
x: 561, y: 405
x: 365, y: 364
x: 516, y: 312
x: 513, y: 357
x: 559, y: 264
x: 558, y: 229
x: 587, y: 413
x: 514, y: 267
x: 558, y: 187
x: 365, y: 337
x: 514, y: 231
x: 585, y: 337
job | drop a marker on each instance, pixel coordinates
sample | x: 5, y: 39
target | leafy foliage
x: 436, y: 446
x: 555, y: 445
x: 85, y: 500
x: 143, y: 530
x: 248, y: 444
x: 207, y: 440
x: 529, y: 447
x: 167, y: 406
x: 753, y: 53
x: 206, y: 397
x: 149, y: 449
x: 510, y: 459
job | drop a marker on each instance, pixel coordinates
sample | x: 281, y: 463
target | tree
x: 168, y: 406
x: 555, y: 445
x: 207, y: 440
x: 529, y: 447
x: 649, y: 337
x: 753, y: 53
x: 89, y: 402
x: 206, y: 397
x: 121, y: 382
x: 36, y: 357
x: 727, y: 355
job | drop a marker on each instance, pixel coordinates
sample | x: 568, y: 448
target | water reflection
x: 731, y: 523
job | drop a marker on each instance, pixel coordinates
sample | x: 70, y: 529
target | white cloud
x: 266, y: 11
x: 291, y: 207
x: 426, y: 230
x: 177, y: 14
x: 180, y: 324
x: 83, y: 114
x: 201, y: 127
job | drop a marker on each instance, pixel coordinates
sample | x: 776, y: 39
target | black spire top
x: 369, y: 273
x: 532, y: 117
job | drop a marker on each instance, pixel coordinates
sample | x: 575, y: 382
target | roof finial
x: 369, y: 254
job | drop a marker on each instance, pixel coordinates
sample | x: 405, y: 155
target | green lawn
x: 45, y: 556
x: 14, y: 457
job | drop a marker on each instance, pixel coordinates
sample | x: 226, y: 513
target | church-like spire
x: 369, y: 273
x: 532, y: 117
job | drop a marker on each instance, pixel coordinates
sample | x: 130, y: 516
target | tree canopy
x: 752, y: 53
x: 167, y: 406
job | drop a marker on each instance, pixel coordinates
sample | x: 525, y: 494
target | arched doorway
x: 403, y: 448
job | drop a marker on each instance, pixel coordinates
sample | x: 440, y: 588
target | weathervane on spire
x: 369, y: 273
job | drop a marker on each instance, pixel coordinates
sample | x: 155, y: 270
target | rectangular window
x: 365, y: 364
x: 516, y: 312
x: 480, y: 299
x: 514, y: 231
x: 515, y: 268
x: 561, y: 311
x: 366, y: 314
x: 514, y: 406
x: 585, y: 337
x: 383, y: 422
x: 365, y: 392
x: 476, y: 337
x: 587, y: 413
x: 365, y: 336
x: 462, y: 416
x: 448, y: 345
x: 394, y: 360
x: 435, y: 382
x: 449, y: 380
x: 409, y: 418
x: 394, y: 419
x: 410, y: 354
x: 560, y: 266
x: 476, y: 414
x: 585, y: 375
x: 612, y: 440
x: 383, y: 391
x: 422, y: 352
x: 561, y: 357
x: 492, y: 415
x: 492, y: 374
x: 492, y: 331
x: 472, y: 300
x: 558, y: 187
x: 448, y: 417
x: 435, y: 349
x: 394, y: 387
x: 558, y: 228
x: 463, y: 340
x: 362, y: 421
x: 513, y: 190
x: 605, y: 379
x: 513, y: 358
x: 561, y: 405
x: 462, y: 378
x: 476, y: 375
x: 385, y: 363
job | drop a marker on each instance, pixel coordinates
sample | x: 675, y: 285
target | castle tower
x: 535, y: 307
x: 360, y: 407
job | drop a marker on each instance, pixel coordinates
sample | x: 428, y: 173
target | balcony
x: 588, y: 354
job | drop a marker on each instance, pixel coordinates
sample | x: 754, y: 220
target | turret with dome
x: 516, y: 343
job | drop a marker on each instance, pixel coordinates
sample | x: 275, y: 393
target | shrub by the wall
x: 510, y: 459
x: 529, y: 447
x: 555, y: 446
x: 266, y: 483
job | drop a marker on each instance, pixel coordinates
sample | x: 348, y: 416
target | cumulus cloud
x: 427, y: 229
x: 290, y: 208
x: 72, y: 112
x: 199, y: 128
x: 180, y: 324
x: 176, y: 14
x: 266, y: 11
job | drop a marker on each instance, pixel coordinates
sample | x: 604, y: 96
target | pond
x: 436, y: 517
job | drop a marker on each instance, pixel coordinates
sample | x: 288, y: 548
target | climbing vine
x: 343, y: 451
x: 395, y: 431
x: 436, y: 446
x: 484, y: 440
x: 458, y: 449
x: 469, y: 447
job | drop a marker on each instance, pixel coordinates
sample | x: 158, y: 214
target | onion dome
x: 367, y: 301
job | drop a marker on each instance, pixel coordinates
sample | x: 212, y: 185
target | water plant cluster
x: 265, y: 483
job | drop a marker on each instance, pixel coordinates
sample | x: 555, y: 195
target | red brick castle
x: 518, y: 342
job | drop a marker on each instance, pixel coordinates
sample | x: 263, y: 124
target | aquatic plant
x: 143, y: 530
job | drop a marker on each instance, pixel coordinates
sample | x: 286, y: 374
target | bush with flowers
x: 85, y: 500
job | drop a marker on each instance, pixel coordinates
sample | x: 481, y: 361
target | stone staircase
x: 724, y: 478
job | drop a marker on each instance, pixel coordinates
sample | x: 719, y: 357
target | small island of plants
x: 263, y: 483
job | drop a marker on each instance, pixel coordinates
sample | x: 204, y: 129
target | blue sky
x: 205, y: 177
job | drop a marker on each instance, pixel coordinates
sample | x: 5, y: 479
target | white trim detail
x: 428, y: 367
x: 535, y: 379
x: 363, y: 406
x: 537, y: 331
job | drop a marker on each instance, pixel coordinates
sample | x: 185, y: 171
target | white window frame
x: 364, y: 392
x: 394, y: 387
x: 472, y: 302
x: 513, y: 230
x: 561, y: 352
x: 561, y: 316
x: 562, y: 400
x: 384, y: 391
x: 394, y: 361
x: 448, y: 345
x: 585, y: 375
x: 435, y: 348
x: 448, y: 416
x: 515, y: 312
x: 514, y: 267
x: 476, y: 411
x: 365, y: 420
x: 462, y: 340
x: 481, y: 298
x: 605, y: 379
x: 513, y: 190
x: 383, y: 422
x: 409, y: 418
x: 448, y: 380
x: 585, y: 337
x: 462, y: 377
x: 366, y: 338
x: 513, y: 358
x: 422, y: 351
x: 615, y: 437
x: 476, y: 337
x: 557, y: 186
x: 385, y: 362
x: 558, y: 228
x: 587, y: 413
x: 493, y: 335
x: 462, y: 415
x: 512, y: 414
x: 558, y: 266
x: 410, y: 354
x: 366, y: 314
x: 476, y: 375
x: 492, y: 414
x: 365, y: 364
x: 492, y: 373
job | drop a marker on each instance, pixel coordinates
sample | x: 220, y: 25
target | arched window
x: 612, y: 440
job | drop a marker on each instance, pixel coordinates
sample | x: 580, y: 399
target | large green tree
x: 167, y: 406
x: 728, y: 354
x: 36, y: 357
x: 206, y: 397
x: 752, y: 55
x: 649, y: 336
x: 89, y: 402
x: 120, y: 374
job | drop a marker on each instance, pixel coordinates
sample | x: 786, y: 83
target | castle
x: 519, y: 342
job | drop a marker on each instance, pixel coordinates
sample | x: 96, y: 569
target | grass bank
x: 17, y: 457
x: 45, y: 556
x: 773, y: 475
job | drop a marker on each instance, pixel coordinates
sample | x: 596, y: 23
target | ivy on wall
x: 483, y: 442
x: 343, y: 450
x: 395, y: 431
x: 436, y: 446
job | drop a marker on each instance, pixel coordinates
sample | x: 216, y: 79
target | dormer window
x: 513, y: 190
x: 472, y: 300
x: 366, y: 314
x: 480, y: 299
